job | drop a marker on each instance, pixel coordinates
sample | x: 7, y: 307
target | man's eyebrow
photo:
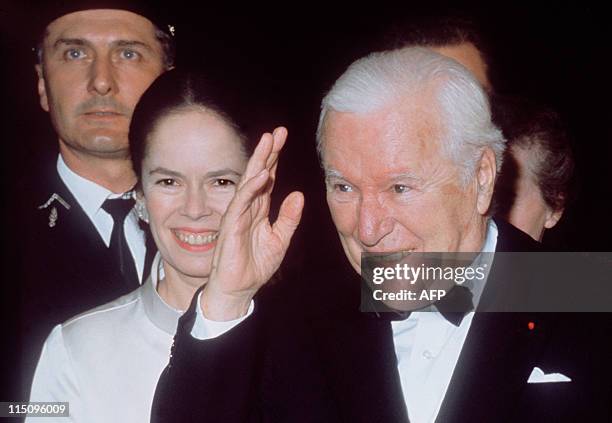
x: 131, y: 43
x: 404, y: 175
x: 333, y: 173
x: 69, y: 41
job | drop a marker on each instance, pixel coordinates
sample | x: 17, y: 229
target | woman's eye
x: 224, y: 182
x: 400, y: 189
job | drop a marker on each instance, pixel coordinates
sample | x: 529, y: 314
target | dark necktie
x: 119, y: 208
x: 453, y: 306
x: 456, y: 304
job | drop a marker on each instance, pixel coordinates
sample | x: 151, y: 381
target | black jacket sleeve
x: 263, y: 370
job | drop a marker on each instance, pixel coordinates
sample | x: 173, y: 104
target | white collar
x: 491, y: 238
x: 488, y: 247
x: 88, y: 194
x: 160, y: 313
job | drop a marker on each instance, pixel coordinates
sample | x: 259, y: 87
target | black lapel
x: 73, y: 238
x: 501, y: 348
x: 493, y: 367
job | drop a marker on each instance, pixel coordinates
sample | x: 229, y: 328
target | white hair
x: 384, y: 78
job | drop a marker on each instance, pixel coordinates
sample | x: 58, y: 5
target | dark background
x: 282, y: 61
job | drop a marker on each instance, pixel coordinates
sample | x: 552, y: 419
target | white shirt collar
x: 491, y: 238
x: 88, y: 194
x: 485, y: 260
x: 159, y: 312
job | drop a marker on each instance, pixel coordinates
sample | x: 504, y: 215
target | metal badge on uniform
x: 53, y: 214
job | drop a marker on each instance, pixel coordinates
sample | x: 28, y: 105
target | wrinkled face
x: 468, y: 55
x: 95, y: 66
x: 192, y: 164
x: 529, y: 211
x: 389, y: 188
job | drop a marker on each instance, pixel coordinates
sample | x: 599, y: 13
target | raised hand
x: 249, y: 248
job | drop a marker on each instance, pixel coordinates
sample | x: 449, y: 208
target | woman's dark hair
x: 176, y: 91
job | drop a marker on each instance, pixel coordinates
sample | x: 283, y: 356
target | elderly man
x: 83, y: 244
x: 410, y: 158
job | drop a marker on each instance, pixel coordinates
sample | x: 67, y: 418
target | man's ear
x: 485, y: 178
x: 552, y: 217
x: 42, y: 89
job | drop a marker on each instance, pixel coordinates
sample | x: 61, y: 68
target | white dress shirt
x: 90, y: 197
x: 106, y: 362
x: 427, y: 347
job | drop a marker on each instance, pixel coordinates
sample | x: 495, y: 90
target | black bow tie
x: 453, y: 307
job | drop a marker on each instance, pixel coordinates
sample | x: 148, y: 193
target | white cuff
x: 204, y: 328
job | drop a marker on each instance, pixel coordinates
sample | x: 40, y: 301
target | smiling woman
x: 191, y: 160
x: 189, y: 156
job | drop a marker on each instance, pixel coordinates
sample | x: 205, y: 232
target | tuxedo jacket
x: 342, y: 367
x: 63, y: 267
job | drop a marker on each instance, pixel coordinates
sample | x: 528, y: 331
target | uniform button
x: 428, y: 355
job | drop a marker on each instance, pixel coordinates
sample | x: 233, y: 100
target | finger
x: 265, y: 196
x: 272, y: 167
x: 258, y: 160
x: 280, y: 137
x: 269, y: 187
x: 289, y: 217
x: 260, y: 155
x: 245, y: 196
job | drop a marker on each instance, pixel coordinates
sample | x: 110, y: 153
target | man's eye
x: 167, y: 182
x: 74, y: 54
x: 343, y: 188
x: 400, y: 189
x: 130, y: 54
x: 224, y: 182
